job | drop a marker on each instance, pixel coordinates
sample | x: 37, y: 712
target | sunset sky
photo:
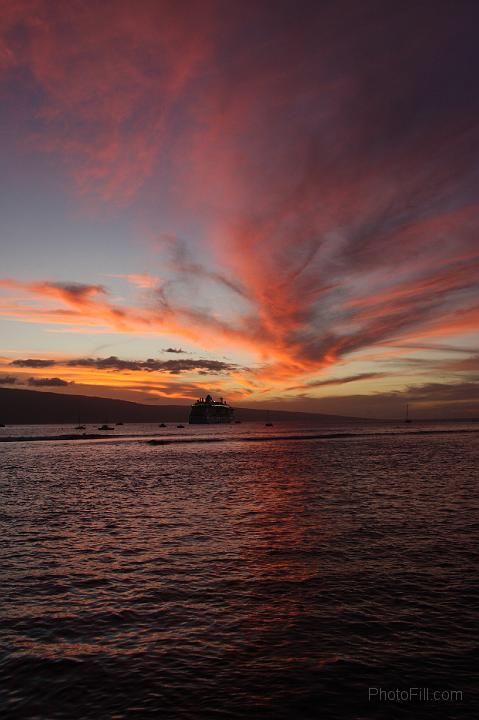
x: 276, y: 202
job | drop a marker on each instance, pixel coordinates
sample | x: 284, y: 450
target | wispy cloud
x: 107, y: 84
x: 144, y: 281
x: 334, y: 177
x: 339, y: 381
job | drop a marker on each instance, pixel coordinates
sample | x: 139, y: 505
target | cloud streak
x: 116, y: 364
x: 33, y: 363
x: 330, y: 180
x: 339, y: 381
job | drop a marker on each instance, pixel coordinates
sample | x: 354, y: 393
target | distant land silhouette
x: 34, y: 407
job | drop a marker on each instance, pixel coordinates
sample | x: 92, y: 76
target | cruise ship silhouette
x: 208, y: 411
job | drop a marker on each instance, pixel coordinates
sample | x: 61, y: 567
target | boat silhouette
x: 79, y: 425
x: 207, y: 411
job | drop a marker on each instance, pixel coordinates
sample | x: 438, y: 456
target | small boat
x: 162, y: 425
x: 237, y: 422
x: 80, y: 427
x: 105, y: 427
x: 268, y: 424
x: 180, y: 426
x: 119, y: 423
x: 2, y: 425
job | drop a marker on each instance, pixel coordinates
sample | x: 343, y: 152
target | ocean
x: 278, y: 572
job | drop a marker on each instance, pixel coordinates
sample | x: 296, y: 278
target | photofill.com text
x: 419, y: 694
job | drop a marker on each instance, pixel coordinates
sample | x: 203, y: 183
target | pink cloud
x: 338, y: 193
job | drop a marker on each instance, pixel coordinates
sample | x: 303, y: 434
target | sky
x: 274, y: 202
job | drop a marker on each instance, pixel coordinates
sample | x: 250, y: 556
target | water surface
x: 275, y: 579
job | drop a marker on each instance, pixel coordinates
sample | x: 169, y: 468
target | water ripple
x: 227, y: 580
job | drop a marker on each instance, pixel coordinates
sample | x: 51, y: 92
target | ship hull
x: 209, y: 420
x: 205, y: 414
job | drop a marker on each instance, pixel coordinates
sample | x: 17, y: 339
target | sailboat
x: 407, y: 419
x: 80, y: 425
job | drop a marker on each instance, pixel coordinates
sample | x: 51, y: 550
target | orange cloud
x: 337, y: 196
x: 88, y: 305
x: 144, y: 281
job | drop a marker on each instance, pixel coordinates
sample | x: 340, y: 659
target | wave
x: 232, y: 438
x: 321, y: 436
x: 71, y: 436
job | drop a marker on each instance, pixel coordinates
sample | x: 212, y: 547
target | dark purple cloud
x: 33, y: 363
x: 47, y: 382
x: 8, y: 380
x: 150, y: 365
